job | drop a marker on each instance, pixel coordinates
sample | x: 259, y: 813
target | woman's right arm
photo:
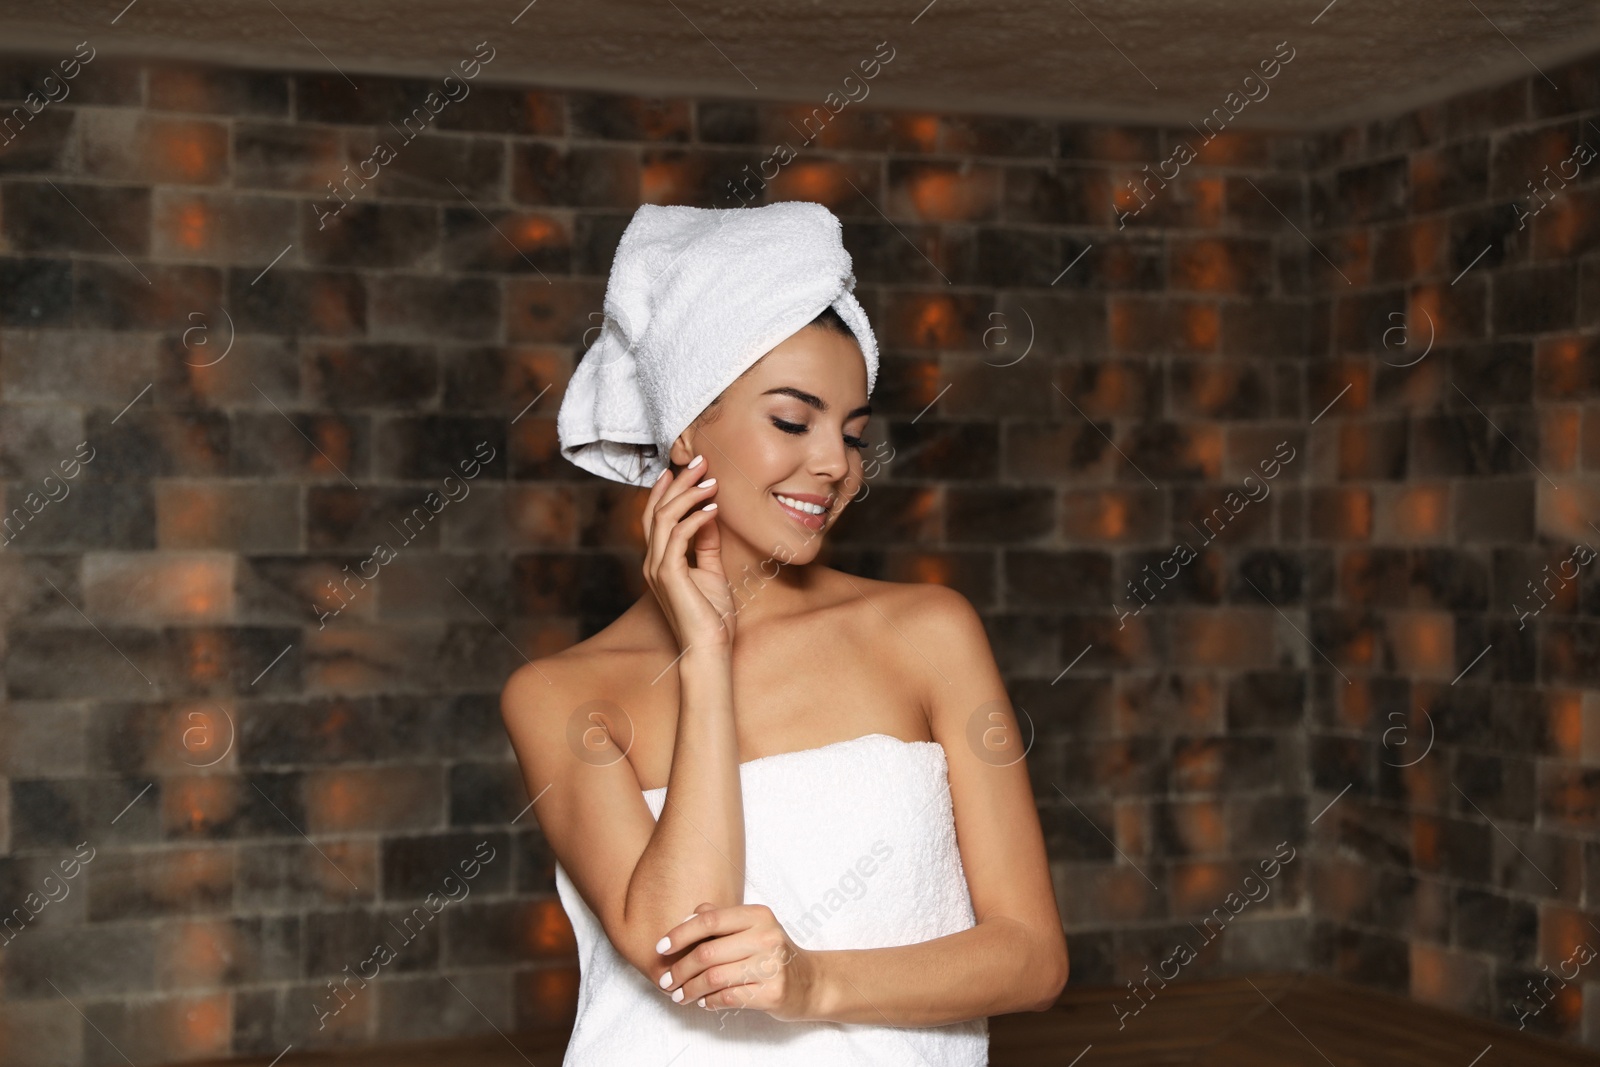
x: 638, y: 875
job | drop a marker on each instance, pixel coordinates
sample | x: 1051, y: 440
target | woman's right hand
x: 697, y: 600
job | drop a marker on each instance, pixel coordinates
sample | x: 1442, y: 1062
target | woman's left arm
x: 1013, y: 959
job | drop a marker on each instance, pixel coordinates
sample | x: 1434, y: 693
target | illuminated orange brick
x: 192, y: 587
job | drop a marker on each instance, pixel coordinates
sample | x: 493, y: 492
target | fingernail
x: 693, y: 463
x: 689, y: 916
x: 708, y: 481
x: 710, y: 507
x: 666, y: 980
x: 702, y: 1002
x: 677, y: 996
x: 664, y: 944
x: 663, y: 474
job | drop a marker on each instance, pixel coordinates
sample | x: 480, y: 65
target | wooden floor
x: 1267, y: 1021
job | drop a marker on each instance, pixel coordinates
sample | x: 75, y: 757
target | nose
x: 830, y: 461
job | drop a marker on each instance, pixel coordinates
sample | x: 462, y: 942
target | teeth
x: 800, y: 505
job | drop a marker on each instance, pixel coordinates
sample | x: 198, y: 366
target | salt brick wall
x: 1443, y: 486
x: 379, y: 352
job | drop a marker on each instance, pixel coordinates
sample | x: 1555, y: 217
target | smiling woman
x: 822, y: 721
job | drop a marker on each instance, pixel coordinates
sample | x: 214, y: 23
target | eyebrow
x: 816, y: 401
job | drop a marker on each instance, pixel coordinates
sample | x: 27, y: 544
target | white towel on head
x: 695, y: 297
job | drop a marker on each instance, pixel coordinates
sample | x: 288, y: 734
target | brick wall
x: 1452, y: 486
x: 274, y: 744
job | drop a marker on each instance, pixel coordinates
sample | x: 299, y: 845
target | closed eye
x: 857, y: 443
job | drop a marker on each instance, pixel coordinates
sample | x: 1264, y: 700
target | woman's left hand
x: 739, y: 956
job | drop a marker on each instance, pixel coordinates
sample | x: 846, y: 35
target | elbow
x: 1058, y: 969
x: 643, y: 957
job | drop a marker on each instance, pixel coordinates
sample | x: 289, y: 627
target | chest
x: 799, y: 689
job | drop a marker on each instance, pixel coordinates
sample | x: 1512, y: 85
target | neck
x: 763, y: 586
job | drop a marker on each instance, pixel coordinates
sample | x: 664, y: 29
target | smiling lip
x: 809, y: 521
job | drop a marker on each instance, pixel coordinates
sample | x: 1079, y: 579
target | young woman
x: 789, y: 805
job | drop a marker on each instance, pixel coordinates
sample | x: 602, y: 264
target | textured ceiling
x: 1149, y: 60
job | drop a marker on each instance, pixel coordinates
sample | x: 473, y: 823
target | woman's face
x: 791, y: 427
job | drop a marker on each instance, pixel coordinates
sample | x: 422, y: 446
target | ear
x: 682, y: 450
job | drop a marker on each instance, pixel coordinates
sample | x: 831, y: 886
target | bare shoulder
x: 923, y: 608
x: 538, y: 695
x: 929, y: 626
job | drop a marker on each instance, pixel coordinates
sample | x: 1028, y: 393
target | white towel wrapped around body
x: 695, y: 297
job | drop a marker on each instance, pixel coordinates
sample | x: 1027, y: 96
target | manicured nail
x: 664, y: 472
x: 710, y: 507
x: 666, y: 980
x: 677, y: 996
x: 664, y: 944
x: 693, y: 463
x: 702, y: 1002
x: 708, y: 481
x: 687, y: 917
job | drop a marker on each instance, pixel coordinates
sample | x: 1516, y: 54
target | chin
x: 794, y: 551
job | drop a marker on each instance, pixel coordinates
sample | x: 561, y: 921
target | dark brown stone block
x: 1453, y: 175
x: 416, y: 866
x: 951, y: 451
x: 210, y: 90
x: 64, y: 217
x: 99, y: 78
x: 1524, y: 161
x: 367, y: 236
x: 486, y: 794
x: 1369, y: 958
x: 1110, y: 144
x: 1233, y: 266
x: 507, y: 242
x: 149, y: 884
x: 544, y: 174
x: 429, y: 447
x: 328, y: 303
x: 573, y: 584
x: 34, y: 143
x: 342, y: 518
x: 372, y: 375
x: 107, y: 295
x: 150, y: 443
x: 993, y: 135
x: 224, y: 807
x: 1536, y: 300
x: 344, y: 939
x: 1485, y: 922
x: 431, y: 1007
x: 35, y: 292
x: 364, y: 99
x: 501, y: 109
x: 289, y: 158
x: 728, y: 122
x: 555, y: 311
x: 101, y: 960
x: 416, y: 307
x: 502, y: 378
x: 1061, y: 195
x: 535, y: 861
x: 507, y: 932
x: 293, y: 875
x: 430, y: 167
x: 1039, y: 579
x: 618, y: 117
x: 194, y: 372
x: 321, y: 448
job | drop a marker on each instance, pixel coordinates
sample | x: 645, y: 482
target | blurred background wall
x: 1342, y: 366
